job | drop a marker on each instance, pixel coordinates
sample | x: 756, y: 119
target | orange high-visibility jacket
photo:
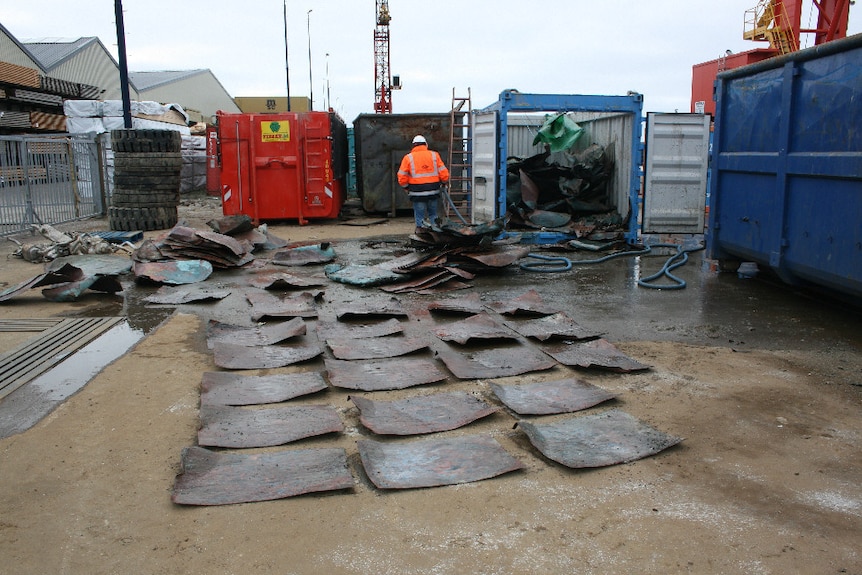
x: 422, y: 171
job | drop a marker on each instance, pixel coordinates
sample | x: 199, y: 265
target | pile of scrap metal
x: 62, y: 244
x: 564, y: 191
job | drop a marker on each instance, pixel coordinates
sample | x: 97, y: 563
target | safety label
x: 272, y: 131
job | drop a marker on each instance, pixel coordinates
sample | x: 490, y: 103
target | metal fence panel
x: 49, y: 180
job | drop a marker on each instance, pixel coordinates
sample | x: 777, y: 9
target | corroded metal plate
x: 375, y: 347
x: 434, y: 462
x: 598, y: 353
x: 500, y: 361
x: 478, y: 327
x: 174, y: 272
x: 242, y: 427
x: 421, y: 414
x: 233, y: 356
x: 499, y: 257
x: 547, y: 397
x: 228, y: 388
x: 529, y: 303
x: 283, y: 281
x: 597, y: 440
x: 170, y: 295
x: 557, y: 326
x: 416, y: 284
x: 470, y: 304
x: 364, y: 310
x: 381, y: 374
x: 265, y: 305
x: 360, y: 275
x: 216, y: 478
x: 267, y: 334
x: 304, y: 255
x: 340, y: 330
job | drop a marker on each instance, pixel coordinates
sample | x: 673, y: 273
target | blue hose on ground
x: 554, y: 264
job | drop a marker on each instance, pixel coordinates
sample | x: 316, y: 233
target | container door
x: 484, y: 167
x: 677, y: 158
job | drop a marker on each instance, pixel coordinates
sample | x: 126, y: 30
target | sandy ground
x: 766, y: 481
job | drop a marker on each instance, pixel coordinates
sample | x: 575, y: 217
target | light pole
x: 328, y: 101
x: 310, y: 84
x: 286, y: 60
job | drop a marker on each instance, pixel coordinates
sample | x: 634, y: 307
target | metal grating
x: 42, y: 353
x: 29, y: 324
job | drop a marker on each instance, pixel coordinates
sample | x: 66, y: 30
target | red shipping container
x: 282, y: 166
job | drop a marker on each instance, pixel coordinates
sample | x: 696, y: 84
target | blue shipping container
x: 786, y: 187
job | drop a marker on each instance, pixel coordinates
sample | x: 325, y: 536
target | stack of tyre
x: 147, y: 170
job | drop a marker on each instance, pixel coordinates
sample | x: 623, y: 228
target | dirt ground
x: 768, y: 478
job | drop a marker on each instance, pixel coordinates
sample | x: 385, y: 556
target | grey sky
x: 552, y: 46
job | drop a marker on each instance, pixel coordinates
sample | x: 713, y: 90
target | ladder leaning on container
x: 460, y: 157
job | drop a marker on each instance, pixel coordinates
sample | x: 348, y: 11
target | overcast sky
x: 605, y: 47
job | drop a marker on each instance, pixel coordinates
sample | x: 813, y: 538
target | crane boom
x: 382, y: 71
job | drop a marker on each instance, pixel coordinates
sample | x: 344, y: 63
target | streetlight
x: 328, y: 100
x: 310, y: 84
x: 286, y: 60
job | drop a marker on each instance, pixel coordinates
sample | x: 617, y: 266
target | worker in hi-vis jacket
x: 422, y: 174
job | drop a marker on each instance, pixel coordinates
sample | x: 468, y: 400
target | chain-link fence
x: 50, y: 180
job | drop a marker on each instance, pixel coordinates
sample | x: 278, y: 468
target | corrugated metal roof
x: 52, y: 51
x: 149, y: 80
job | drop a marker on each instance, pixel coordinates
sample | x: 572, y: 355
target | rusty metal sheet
x: 360, y: 275
x: 449, y: 285
x: 228, y: 388
x: 499, y: 361
x: 267, y: 334
x: 477, y: 327
x: 94, y: 264
x: 170, y: 295
x: 406, y: 262
x: 499, y: 257
x: 375, y: 347
x: 174, y: 272
x: 231, y: 225
x: 421, y: 414
x: 232, y: 356
x: 222, y: 478
x: 363, y: 310
x: 304, y: 255
x: 382, y: 374
x: 71, y: 291
x: 266, y: 305
x: 341, y: 330
x: 418, y: 283
x: 284, y: 281
x: 66, y: 273
x: 224, y: 241
x: 548, y: 397
x: 528, y: 303
x: 597, y: 353
x: 434, y: 462
x: 244, y: 427
x: 469, y: 304
x: 556, y: 326
x: 597, y: 440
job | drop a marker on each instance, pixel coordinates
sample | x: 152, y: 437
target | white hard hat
x: 420, y: 139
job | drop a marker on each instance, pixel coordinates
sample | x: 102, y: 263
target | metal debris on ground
x: 228, y: 388
x: 63, y: 282
x: 478, y: 327
x: 94, y: 264
x: 530, y: 303
x: 375, y: 347
x: 434, y: 462
x: 65, y: 244
x: 232, y: 225
x: 360, y: 275
x: 304, y: 255
x: 171, y: 295
x: 71, y: 291
x: 267, y: 334
x: 382, y: 374
x: 245, y: 427
x: 550, y: 397
x: 365, y: 310
x: 597, y: 440
x: 435, y: 280
x: 341, y: 330
x: 174, y: 272
x: 556, y: 326
x: 421, y: 414
x: 222, y: 478
x: 233, y: 356
x: 278, y: 281
x: 596, y: 353
x: 466, y: 305
x: 451, y: 233
x: 265, y: 305
x: 499, y: 361
x: 184, y: 243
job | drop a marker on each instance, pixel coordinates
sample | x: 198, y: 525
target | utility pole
x: 124, y: 67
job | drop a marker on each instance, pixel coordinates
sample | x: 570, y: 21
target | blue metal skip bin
x: 786, y: 188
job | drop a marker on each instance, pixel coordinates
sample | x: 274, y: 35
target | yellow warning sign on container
x: 274, y: 131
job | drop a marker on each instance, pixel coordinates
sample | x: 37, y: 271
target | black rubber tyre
x: 729, y: 265
x: 143, y: 200
x: 142, y: 218
x: 160, y: 180
x: 156, y: 160
x: 146, y: 141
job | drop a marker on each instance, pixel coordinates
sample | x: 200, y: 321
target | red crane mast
x: 382, y: 71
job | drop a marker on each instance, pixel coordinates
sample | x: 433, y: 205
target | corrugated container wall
x: 786, y: 189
